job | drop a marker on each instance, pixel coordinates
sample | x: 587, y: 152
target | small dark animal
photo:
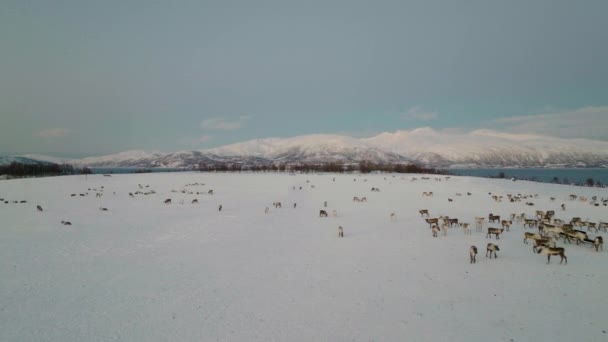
x: 322, y: 213
x: 168, y: 201
x: 340, y: 231
x: 219, y: 208
x: 66, y: 223
x: 39, y: 208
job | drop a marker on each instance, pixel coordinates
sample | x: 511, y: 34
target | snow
x: 146, y: 271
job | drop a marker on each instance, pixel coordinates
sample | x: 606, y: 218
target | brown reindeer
x: 495, y: 231
x: 168, y: 201
x: 39, y: 208
x: 432, y: 221
x: 492, y: 248
x: 424, y: 212
x: 506, y: 224
x: 549, y: 251
x: 493, y: 218
x: 322, y: 213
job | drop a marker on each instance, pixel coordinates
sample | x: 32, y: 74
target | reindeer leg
x: 548, y: 258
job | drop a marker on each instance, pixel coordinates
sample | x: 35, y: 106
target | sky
x: 83, y: 78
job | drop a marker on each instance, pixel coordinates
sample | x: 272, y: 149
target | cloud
x: 222, y: 124
x: 587, y: 122
x: 53, y: 133
x: 189, y: 141
x: 416, y: 113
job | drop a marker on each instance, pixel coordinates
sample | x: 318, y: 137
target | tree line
x: 336, y: 167
x: 17, y: 169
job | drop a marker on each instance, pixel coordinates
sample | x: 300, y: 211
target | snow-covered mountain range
x: 424, y: 146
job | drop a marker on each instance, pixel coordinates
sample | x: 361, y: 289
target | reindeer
x: 549, y: 251
x: 495, y: 231
x: 577, y: 235
x: 340, y: 232
x: 473, y: 254
x: 334, y: 213
x: 66, y: 223
x: 424, y: 212
x: 39, y: 208
x: 493, y: 218
x: 168, y: 201
x: 530, y: 223
x: 465, y: 228
x: 103, y: 209
x: 506, y: 224
x: 427, y: 194
x: 452, y: 221
x: 435, y: 230
x: 603, y: 225
x: 266, y: 210
x: 356, y: 199
x: 322, y: 213
x: 393, y: 216
x: 492, y: 248
x: 210, y: 192
x: 544, y: 242
x: 432, y: 221
x: 532, y: 236
x: 540, y: 214
x: 220, y: 208
x: 479, y: 223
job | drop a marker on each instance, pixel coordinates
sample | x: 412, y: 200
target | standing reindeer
x: 340, y: 232
x: 473, y: 254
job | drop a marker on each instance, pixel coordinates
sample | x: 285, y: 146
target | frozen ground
x: 147, y: 271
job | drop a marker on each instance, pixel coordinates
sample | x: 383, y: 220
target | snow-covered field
x: 149, y: 271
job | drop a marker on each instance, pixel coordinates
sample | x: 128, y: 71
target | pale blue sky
x: 84, y: 78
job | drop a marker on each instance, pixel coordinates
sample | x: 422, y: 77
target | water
x: 564, y: 176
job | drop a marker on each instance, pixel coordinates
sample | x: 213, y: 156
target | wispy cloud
x: 417, y: 113
x: 587, y: 122
x: 53, y: 133
x: 189, y: 141
x: 223, y: 124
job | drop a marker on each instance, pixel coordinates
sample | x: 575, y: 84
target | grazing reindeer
x: 428, y: 194
x: 544, y: 242
x: 598, y: 242
x: 495, y: 231
x: 168, y: 201
x: 532, y: 236
x: 66, y: 223
x: 39, y: 208
x: 340, y: 232
x: 424, y: 212
x: 450, y: 200
x: 506, y: 224
x: 492, y: 248
x: 103, y: 209
x: 194, y: 201
x: 465, y: 228
x: 479, y: 223
x: 210, y: 192
x: 493, y: 218
x: 356, y: 199
x: 322, y: 213
x: 473, y: 254
x: 435, y: 230
x: 549, y: 251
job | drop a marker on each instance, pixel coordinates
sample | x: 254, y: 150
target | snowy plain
x: 149, y: 271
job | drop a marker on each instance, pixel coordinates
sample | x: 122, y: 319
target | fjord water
x: 565, y: 176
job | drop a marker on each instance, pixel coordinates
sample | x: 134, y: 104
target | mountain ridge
x: 424, y: 146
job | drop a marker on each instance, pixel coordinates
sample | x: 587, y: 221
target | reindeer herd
x: 550, y: 230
